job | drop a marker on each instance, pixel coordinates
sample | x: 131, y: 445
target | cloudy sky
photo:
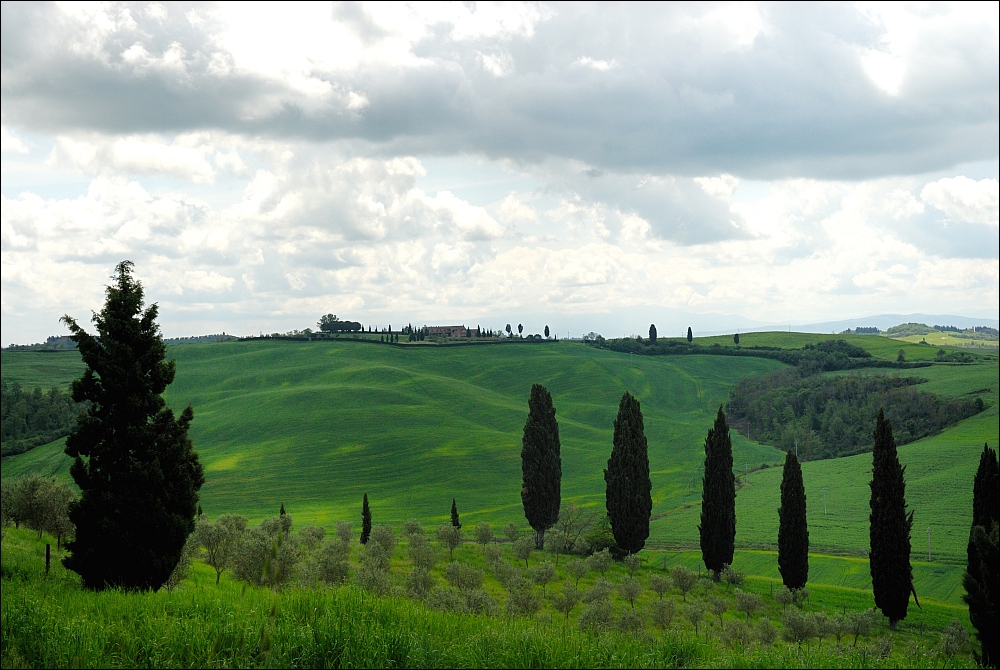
x: 585, y: 166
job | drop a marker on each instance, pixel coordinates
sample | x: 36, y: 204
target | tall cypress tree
x: 652, y: 333
x: 454, y: 515
x: 981, y: 576
x: 718, y: 499
x: 541, y: 465
x: 366, y: 520
x: 629, y: 491
x: 139, y: 483
x: 889, y: 556
x: 793, y: 531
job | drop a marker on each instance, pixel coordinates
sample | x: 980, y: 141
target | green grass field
x: 49, y: 621
x: 316, y: 425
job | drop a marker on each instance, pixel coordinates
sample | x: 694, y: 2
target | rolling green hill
x: 314, y: 425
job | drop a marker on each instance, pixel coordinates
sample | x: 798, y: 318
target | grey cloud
x: 681, y: 100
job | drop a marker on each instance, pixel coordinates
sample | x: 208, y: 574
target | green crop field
x: 314, y: 425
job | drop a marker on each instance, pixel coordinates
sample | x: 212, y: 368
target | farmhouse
x: 452, y: 331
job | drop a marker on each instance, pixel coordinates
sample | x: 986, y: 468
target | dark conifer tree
x: 454, y: 515
x: 690, y: 335
x: 981, y: 576
x: 199, y: 511
x: 541, y: 465
x: 889, y: 556
x: 139, y: 483
x: 281, y: 512
x: 736, y: 338
x: 366, y: 520
x: 652, y: 333
x: 793, y: 532
x: 629, y: 490
x: 718, y: 499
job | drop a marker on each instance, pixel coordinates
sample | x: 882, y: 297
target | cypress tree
x: 690, y: 335
x: 281, y: 512
x: 140, y: 480
x: 652, y: 333
x: 718, y: 499
x: 981, y: 576
x: 629, y: 490
x: 366, y: 520
x: 793, y: 532
x: 454, y: 515
x: 541, y: 465
x: 889, y: 556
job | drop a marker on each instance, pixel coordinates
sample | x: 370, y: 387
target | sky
x: 583, y: 166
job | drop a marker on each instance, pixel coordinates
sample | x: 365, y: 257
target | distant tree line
x: 827, y: 356
x: 29, y: 418
x: 831, y: 416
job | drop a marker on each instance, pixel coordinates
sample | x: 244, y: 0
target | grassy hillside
x: 316, y: 425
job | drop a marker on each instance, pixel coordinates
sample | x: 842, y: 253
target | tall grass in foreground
x: 49, y: 621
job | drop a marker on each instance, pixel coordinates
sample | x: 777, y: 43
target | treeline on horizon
x: 826, y: 356
x: 833, y: 416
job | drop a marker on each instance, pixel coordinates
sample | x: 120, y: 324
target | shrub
x: 600, y: 561
x: 860, y: 624
x: 332, y: 563
x: 718, y: 607
x: 954, y: 639
x: 738, y: 633
x: 628, y: 621
x: 630, y: 588
x: 523, y: 601
x: 694, y: 612
x: 543, y: 573
x: 659, y: 584
x: 732, y: 577
x: 419, y: 582
x: 633, y: 563
x: 577, y: 569
x: 799, y: 627
x: 748, y: 603
x: 565, y: 600
x: 421, y: 552
x: 766, y: 632
x: 463, y: 577
x: 492, y: 554
x: 374, y: 580
x: 412, y: 527
x: 484, y: 533
x: 596, y: 616
x: 783, y: 596
x: 511, y: 532
x: 601, y: 590
x: 479, y: 601
x: 822, y: 626
x: 446, y: 599
x: 451, y: 537
x: 344, y: 531
x: 684, y: 579
x: 523, y: 548
x: 662, y: 613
